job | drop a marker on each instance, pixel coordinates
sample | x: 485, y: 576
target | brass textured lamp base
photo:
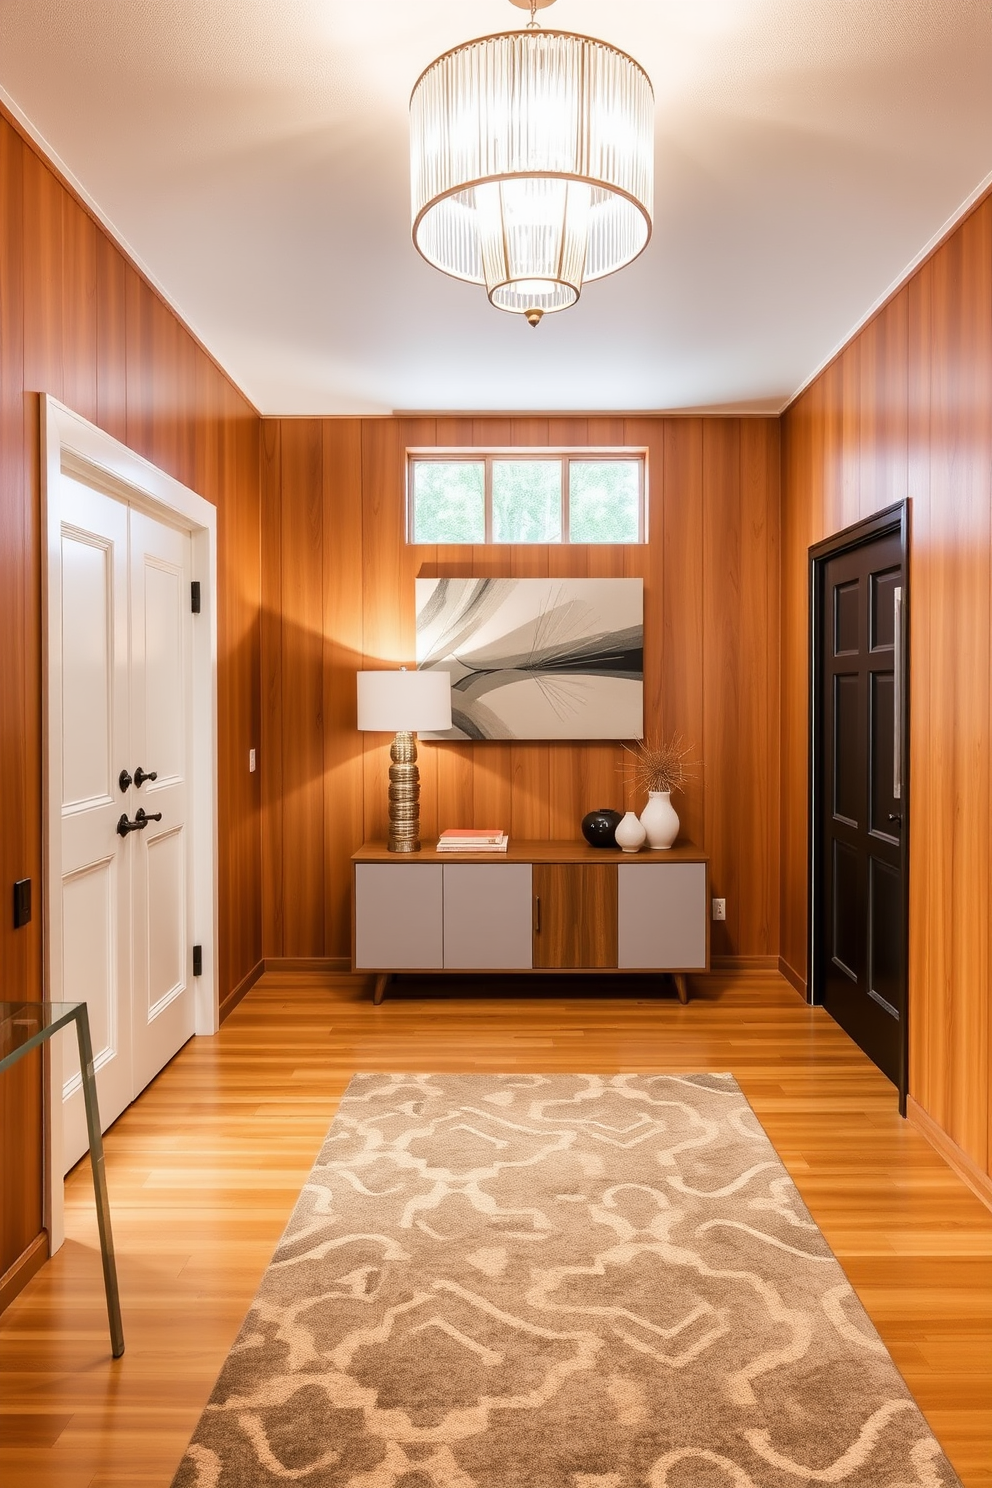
x: 404, y: 795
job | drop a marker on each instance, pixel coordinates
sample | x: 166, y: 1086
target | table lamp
x: 402, y: 703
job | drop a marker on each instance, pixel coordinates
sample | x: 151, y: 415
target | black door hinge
x: 197, y: 960
x: 194, y: 596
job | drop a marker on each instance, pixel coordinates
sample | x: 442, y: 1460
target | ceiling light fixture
x: 532, y: 162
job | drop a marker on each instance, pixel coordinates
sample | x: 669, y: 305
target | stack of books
x: 472, y: 840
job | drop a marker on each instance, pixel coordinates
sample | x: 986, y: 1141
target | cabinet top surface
x: 521, y: 851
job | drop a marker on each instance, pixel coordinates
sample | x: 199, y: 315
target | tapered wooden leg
x: 380, y: 988
x: 681, y: 986
x: 99, y: 1180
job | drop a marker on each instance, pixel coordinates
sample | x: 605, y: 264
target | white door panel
x: 96, y: 944
x: 161, y: 638
x: 165, y: 914
x: 166, y: 605
x: 87, y: 667
x: 125, y: 701
x: 89, y: 974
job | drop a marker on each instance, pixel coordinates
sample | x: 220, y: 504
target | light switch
x: 251, y: 761
x: 22, y: 903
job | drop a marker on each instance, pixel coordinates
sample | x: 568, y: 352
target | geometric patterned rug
x: 562, y: 1281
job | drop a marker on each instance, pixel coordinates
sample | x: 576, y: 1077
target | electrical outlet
x: 719, y: 909
x: 251, y: 761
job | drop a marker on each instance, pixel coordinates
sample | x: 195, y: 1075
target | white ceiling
x: 252, y: 156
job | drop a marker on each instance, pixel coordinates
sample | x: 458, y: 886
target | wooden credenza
x: 542, y: 906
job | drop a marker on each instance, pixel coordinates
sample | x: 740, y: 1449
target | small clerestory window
x: 526, y: 496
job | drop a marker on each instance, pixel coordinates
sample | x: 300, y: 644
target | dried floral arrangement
x: 665, y: 766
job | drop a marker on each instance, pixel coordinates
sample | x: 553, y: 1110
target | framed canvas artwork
x: 536, y: 658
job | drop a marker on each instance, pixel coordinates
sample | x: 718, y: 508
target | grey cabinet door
x: 661, y: 916
x: 398, y: 916
x: 487, y: 916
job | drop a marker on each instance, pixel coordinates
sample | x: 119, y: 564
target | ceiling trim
x: 971, y: 201
x: 710, y: 410
x: 18, y: 119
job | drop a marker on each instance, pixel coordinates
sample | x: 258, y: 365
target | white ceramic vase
x: 630, y: 834
x: 659, y: 820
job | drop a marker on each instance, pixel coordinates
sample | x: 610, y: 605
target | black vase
x: 599, y: 828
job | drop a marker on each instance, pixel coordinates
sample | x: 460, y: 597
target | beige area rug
x: 532, y: 1281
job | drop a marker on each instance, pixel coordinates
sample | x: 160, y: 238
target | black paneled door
x: 859, y: 935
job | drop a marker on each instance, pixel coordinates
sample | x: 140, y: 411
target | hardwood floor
x: 205, y: 1167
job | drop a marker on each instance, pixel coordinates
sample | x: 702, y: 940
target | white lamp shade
x: 390, y: 702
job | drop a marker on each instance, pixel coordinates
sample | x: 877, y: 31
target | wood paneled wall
x: 906, y: 410
x: 338, y: 595
x: 77, y: 321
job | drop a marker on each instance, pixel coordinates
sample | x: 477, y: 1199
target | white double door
x: 126, y: 911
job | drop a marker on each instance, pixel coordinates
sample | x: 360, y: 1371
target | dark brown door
x: 575, y: 915
x: 860, y: 930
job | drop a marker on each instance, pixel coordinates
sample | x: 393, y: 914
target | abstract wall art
x: 536, y: 658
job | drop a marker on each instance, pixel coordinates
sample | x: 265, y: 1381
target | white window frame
x: 562, y: 456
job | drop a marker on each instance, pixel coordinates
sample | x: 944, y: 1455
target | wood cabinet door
x: 575, y: 915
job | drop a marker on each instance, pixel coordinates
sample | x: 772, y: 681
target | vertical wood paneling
x: 722, y: 678
x: 710, y: 573
x: 138, y: 364
x: 907, y: 409
x: 42, y: 279
x: 884, y: 408
x: 273, y: 836
x: 225, y: 427
x: 344, y: 812
x: 926, y: 825
x: 301, y: 665
x: 849, y: 470
x: 757, y: 810
x: 961, y: 460
x: 679, y: 524
x: 111, y: 340
x: 77, y: 321
x: 20, y: 724
x: 79, y: 308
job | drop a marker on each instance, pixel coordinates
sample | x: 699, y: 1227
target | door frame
x: 72, y: 444
x: 893, y: 519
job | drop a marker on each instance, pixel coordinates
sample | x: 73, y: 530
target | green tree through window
x: 537, y: 497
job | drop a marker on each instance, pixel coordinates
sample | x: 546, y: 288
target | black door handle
x: 141, y: 820
x: 140, y: 776
x: 894, y: 816
x: 124, y: 780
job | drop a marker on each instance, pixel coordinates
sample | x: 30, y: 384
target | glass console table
x: 25, y: 1026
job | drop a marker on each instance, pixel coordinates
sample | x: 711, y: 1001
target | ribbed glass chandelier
x: 532, y: 163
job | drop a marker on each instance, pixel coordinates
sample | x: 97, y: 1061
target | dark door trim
x: 894, y: 519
